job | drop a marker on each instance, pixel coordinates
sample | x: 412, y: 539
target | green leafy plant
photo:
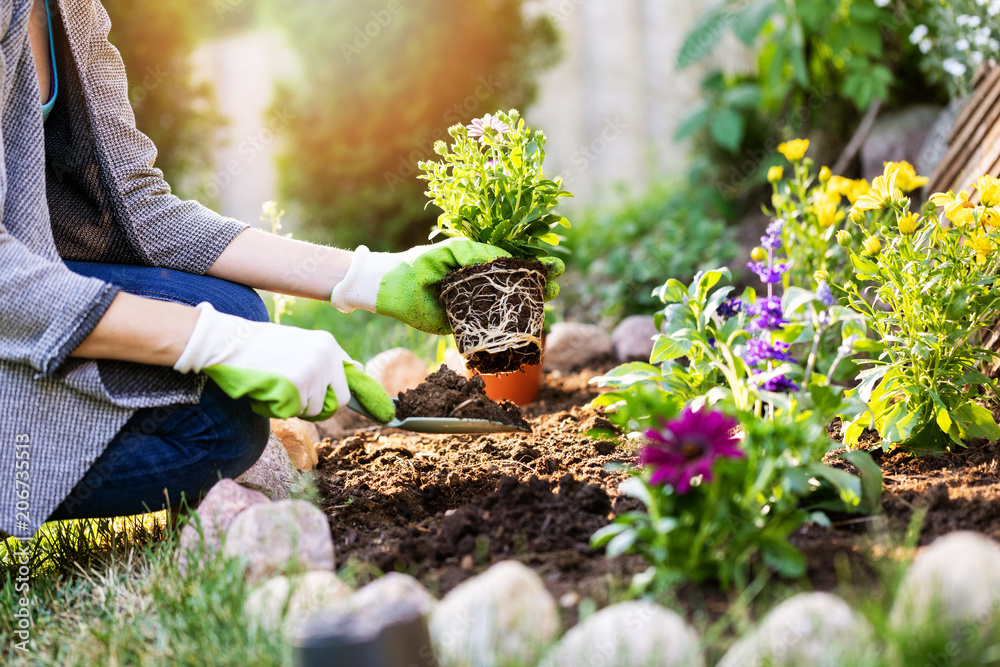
x: 717, y: 505
x: 816, y: 67
x: 932, y: 292
x: 492, y: 188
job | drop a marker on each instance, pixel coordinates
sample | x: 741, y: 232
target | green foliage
x: 822, y: 61
x: 625, y: 250
x: 494, y: 189
x: 176, y: 113
x: 385, y: 82
x: 721, y: 528
x: 930, y: 291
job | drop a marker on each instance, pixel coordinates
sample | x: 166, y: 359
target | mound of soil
x: 445, y: 393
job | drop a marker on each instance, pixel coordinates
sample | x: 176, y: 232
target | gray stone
x: 217, y: 511
x: 573, y: 345
x: 276, y: 537
x: 397, y: 370
x: 633, y: 338
x: 897, y: 135
x: 628, y: 634
x: 281, y: 603
x: 815, y: 629
x: 503, y: 616
x: 953, y: 582
x: 273, y: 473
x: 392, y: 589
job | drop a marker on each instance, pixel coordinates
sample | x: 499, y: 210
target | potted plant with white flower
x: 491, y: 188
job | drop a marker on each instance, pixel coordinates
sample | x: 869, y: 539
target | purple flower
x: 768, y: 274
x: 767, y: 314
x: 688, y: 446
x: 825, y: 295
x: 779, y: 384
x: 759, y: 350
x: 479, y: 125
x: 771, y: 242
x: 711, y: 342
x: 729, y: 308
x: 775, y: 228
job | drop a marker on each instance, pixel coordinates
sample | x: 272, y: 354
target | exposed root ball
x: 497, y: 312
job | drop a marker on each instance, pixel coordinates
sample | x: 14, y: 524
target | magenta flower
x: 479, y: 125
x: 688, y: 446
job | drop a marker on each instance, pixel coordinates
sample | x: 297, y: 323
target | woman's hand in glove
x: 287, y: 372
x: 404, y: 285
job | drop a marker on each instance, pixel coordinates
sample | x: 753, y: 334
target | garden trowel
x: 452, y: 425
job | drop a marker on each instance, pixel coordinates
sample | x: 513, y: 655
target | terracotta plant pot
x: 517, y: 387
x: 497, y: 313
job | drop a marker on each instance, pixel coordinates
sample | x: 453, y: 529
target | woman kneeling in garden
x: 136, y: 362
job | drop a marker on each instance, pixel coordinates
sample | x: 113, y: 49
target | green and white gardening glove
x: 404, y: 285
x: 286, y: 372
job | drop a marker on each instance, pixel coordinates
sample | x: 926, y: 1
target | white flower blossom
x: 962, y: 45
x: 918, y: 34
x: 882, y: 3
x: 953, y: 67
x: 975, y: 58
x: 926, y: 45
x: 981, y: 37
x: 994, y: 8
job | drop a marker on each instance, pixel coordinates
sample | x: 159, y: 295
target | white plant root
x: 492, y: 301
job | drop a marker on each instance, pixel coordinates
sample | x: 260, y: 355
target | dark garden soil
x: 445, y: 393
x: 445, y: 507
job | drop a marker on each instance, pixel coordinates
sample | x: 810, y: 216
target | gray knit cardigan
x: 83, y: 188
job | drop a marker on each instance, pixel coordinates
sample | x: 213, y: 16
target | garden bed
x: 444, y: 507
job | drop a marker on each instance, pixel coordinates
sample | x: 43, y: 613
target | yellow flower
x: 957, y: 208
x: 906, y: 176
x: 982, y: 245
x: 871, y: 246
x: 852, y: 189
x: 856, y: 215
x: 883, y: 193
x: 775, y: 174
x: 794, y: 150
x: 991, y: 217
x: 827, y: 211
x: 825, y: 174
x: 821, y: 276
x: 844, y: 237
x: 989, y: 190
x: 908, y: 224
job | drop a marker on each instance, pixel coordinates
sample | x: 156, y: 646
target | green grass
x: 109, y: 592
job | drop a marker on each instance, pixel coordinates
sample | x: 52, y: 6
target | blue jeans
x: 164, y: 453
